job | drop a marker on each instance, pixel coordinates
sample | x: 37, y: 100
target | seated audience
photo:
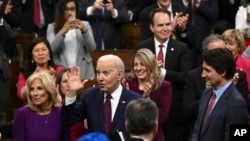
x: 147, y: 82
x: 141, y: 120
x: 39, y: 59
x: 40, y: 119
x: 71, y: 39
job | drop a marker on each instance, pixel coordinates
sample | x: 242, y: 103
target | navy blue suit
x: 231, y: 108
x: 112, y: 34
x: 91, y: 108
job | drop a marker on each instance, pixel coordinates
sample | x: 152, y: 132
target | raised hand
x: 147, y: 89
x: 74, y: 81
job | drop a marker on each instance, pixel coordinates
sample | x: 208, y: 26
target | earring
x: 49, y: 58
x: 32, y: 61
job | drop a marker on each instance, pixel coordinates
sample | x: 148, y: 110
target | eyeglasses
x: 72, y: 9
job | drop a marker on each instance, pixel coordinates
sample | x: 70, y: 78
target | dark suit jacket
x: 14, y: 21
x: 133, y: 139
x: 177, y: 64
x: 91, y: 108
x: 230, y: 109
x: 144, y: 22
x: 112, y: 34
x: 195, y: 85
x: 27, y: 9
x: 6, y: 34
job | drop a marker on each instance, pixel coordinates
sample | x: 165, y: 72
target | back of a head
x: 141, y: 116
x: 95, y: 136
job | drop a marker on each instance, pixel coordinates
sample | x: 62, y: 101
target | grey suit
x: 230, y: 109
x: 85, y: 44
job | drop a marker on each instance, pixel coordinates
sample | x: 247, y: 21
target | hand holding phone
x: 72, y: 16
x: 105, y: 1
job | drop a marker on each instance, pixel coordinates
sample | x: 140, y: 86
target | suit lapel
x: 220, y: 103
x: 120, y: 111
x: 170, y: 53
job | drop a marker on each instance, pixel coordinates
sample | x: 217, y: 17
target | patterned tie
x: 107, y: 113
x: 160, y: 54
x: 36, y: 12
x: 209, y: 109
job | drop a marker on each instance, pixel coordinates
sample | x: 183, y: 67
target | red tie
x: 209, y: 109
x: 36, y: 12
x: 160, y: 54
x: 107, y: 113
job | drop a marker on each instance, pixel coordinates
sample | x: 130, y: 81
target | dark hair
x: 246, y: 3
x: 222, y: 60
x: 158, y: 10
x: 141, y: 116
x: 59, y: 14
x: 28, y: 66
x: 59, y: 80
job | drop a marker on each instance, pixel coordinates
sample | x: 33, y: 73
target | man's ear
x: 126, y: 126
x: 155, y: 129
x: 152, y: 27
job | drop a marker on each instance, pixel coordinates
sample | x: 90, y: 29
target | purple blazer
x: 162, y: 97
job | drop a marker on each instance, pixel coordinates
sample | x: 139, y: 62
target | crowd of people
x: 189, y: 79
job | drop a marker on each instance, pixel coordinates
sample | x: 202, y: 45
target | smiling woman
x: 39, y: 59
x: 40, y: 119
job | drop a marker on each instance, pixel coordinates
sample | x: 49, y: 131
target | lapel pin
x: 172, y: 49
x: 123, y: 102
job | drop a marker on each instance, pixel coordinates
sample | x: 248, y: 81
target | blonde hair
x: 49, y: 85
x: 236, y: 36
x: 148, y: 60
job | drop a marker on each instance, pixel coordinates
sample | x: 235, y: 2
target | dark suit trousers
x: 4, y: 87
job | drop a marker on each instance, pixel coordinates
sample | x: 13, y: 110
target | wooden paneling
x: 23, y: 41
x: 125, y: 55
x: 131, y: 34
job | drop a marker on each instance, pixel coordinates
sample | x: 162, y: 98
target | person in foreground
x: 40, y: 119
x: 103, y: 106
x: 146, y: 81
x: 141, y: 120
x: 221, y: 105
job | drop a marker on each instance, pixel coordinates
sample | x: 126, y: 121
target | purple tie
x: 209, y: 109
x: 107, y: 113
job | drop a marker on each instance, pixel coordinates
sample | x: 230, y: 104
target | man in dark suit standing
x: 141, y: 120
x: 202, y: 14
x: 221, y: 105
x: 195, y: 84
x: 175, y: 63
x: 181, y: 22
x: 103, y: 106
x: 9, y: 17
x: 45, y: 16
x: 106, y: 18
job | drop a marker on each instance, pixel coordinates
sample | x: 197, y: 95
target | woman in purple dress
x: 40, y: 119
